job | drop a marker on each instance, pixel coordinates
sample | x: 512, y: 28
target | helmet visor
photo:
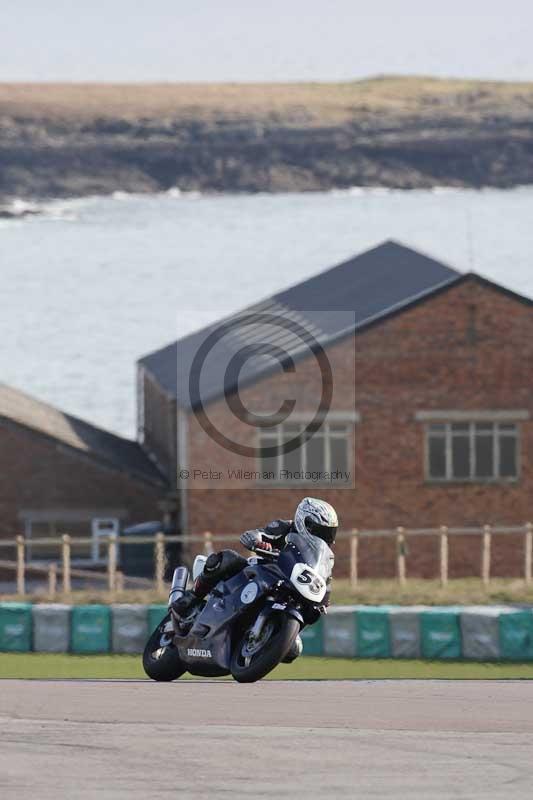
x: 325, y: 532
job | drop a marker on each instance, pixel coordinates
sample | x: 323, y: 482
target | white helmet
x: 317, y: 518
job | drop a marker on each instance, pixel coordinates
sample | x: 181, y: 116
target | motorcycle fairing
x: 206, y: 649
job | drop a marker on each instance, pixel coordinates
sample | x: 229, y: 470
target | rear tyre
x: 161, y: 661
x: 251, y: 661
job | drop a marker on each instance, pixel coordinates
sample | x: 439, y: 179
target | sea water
x: 90, y: 285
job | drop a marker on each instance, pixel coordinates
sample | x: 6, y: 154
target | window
x: 472, y: 451
x: 322, y: 458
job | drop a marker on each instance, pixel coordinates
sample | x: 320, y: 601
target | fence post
x: 52, y: 580
x: 65, y: 557
x: 354, y: 564
x: 400, y: 549
x: 528, y: 553
x: 112, y: 562
x: 21, y: 566
x: 485, y: 555
x: 444, y: 555
x: 159, y: 562
x: 208, y: 543
x: 119, y: 582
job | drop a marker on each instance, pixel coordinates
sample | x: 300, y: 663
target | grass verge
x: 463, y: 591
x: 66, y: 666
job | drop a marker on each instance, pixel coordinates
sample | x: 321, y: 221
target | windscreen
x: 314, y: 551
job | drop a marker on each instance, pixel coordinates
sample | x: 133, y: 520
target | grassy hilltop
x: 75, y: 139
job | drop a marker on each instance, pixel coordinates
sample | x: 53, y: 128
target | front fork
x: 273, y: 605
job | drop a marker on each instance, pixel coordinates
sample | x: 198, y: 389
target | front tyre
x: 251, y: 659
x: 161, y: 661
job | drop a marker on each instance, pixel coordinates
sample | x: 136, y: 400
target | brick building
x: 430, y: 414
x: 62, y: 475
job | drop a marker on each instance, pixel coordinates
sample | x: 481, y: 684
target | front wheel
x: 252, y: 659
x: 161, y: 661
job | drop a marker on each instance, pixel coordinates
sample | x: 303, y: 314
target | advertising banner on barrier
x: 129, y: 626
x: 373, y: 634
x: 340, y: 633
x: 313, y: 639
x: 405, y: 636
x: 91, y: 629
x: 51, y: 627
x: 480, y: 633
x: 156, y: 613
x: 441, y: 633
x: 516, y: 635
x: 15, y: 627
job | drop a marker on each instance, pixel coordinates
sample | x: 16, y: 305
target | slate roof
x: 126, y: 455
x: 341, y: 300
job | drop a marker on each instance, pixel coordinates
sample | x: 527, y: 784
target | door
x: 102, y: 527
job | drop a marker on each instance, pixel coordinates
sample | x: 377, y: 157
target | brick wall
x: 38, y: 473
x: 469, y: 347
x: 159, y: 432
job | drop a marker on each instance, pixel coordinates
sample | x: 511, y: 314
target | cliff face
x: 407, y: 133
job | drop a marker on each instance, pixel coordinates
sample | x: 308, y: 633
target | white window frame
x: 102, y: 527
x: 448, y: 435
x: 347, y: 421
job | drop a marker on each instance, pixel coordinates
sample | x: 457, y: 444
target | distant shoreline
x: 60, y: 208
x: 74, y: 140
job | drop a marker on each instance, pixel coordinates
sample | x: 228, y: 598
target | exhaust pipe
x: 179, y: 583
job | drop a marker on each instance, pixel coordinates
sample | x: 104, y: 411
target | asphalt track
x: 70, y: 740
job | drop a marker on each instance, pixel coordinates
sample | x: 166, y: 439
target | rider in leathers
x: 315, y: 517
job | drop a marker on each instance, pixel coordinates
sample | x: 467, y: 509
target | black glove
x: 251, y: 539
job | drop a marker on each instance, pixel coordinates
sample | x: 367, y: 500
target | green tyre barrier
x: 516, y: 635
x: 373, y: 633
x: 313, y: 639
x: 15, y: 627
x: 91, y: 629
x: 156, y: 613
x: 441, y: 634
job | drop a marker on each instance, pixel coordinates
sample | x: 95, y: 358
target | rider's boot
x: 189, y: 599
x: 203, y: 584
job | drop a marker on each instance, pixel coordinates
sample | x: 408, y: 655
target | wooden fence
x: 114, y: 580
x: 444, y: 534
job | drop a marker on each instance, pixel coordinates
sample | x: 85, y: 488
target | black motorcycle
x: 248, y: 623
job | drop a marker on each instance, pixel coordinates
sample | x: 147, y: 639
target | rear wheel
x: 161, y: 661
x: 253, y: 658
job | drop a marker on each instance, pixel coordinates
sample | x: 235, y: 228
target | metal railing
x: 115, y: 581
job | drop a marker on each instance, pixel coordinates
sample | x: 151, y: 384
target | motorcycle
x: 248, y: 623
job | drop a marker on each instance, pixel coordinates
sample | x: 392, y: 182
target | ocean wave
x: 70, y: 209
x: 176, y: 193
x: 361, y: 191
x: 445, y: 189
x: 16, y: 208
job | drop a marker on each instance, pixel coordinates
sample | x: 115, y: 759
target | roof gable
x: 22, y: 409
x: 340, y: 300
